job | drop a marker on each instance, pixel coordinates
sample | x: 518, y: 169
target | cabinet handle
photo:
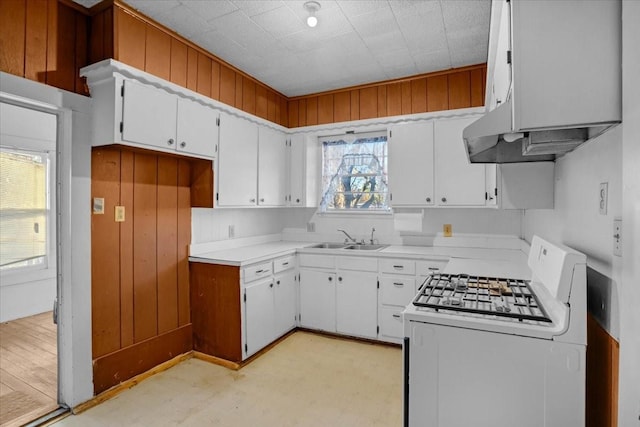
x: 259, y: 271
x: 285, y: 263
x: 444, y: 200
x: 252, y: 200
x: 434, y: 269
x: 271, y: 285
x: 397, y: 316
x: 398, y: 267
x: 261, y: 200
x: 297, y: 200
x: 330, y: 279
x: 428, y: 199
x: 339, y: 279
x: 183, y: 144
x: 278, y: 282
x: 398, y: 284
x: 170, y: 141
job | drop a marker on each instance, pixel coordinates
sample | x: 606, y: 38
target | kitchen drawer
x: 284, y: 263
x: 398, y: 266
x: 397, y: 290
x: 317, y: 261
x: 256, y: 271
x: 391, y: 322
x: 357, y: 263
x: 424, y: 268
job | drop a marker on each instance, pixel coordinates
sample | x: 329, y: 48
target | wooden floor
x: 28, y: 369
x: 306, y: 380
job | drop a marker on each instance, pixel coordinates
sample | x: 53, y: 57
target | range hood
x: 490, y: 139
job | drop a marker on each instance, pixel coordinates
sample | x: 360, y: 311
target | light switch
x: 119, y: 213
x: 98, y: 205
x: 446, y: 230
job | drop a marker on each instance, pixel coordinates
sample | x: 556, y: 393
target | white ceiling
x: 355, y: 41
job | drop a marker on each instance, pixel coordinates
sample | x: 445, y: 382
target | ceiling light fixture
x: 312, y: 7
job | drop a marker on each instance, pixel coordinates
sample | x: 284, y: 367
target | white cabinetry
x: 237, y: 164
x: 356, y: 302
x: 272, y: 167
x: 260, y: 315
x: 297, y: 161
x: 197, y: 128
x: 318, y: 299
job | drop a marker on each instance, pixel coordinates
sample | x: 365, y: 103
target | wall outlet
x: 119, y: 214
x: 617, y: 237
x: 311, y: 227
x: 446, y: 230
x: 603, y: 196
x: 232, y: 231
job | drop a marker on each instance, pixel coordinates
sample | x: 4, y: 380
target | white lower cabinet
x: 356, y: 304
x: 260, y: 315
x: 285, y: 305
x: 318, y: 299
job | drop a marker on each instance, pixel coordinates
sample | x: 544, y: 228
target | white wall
x: 629, y: 404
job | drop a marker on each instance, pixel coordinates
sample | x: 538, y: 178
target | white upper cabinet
x: 296, y: 170
x: 197, y: 128
x: 458, y: 183
x: 272, y: 167
x: 411, y: 164
x: 237, y: 162
x: 501, y: 84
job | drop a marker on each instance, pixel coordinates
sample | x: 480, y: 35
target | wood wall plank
x: 262, y: 102
x: 158, y: 53
x: 215, y: 80
x: 184, y: 240
x: 312, y: 111
x: 203, y: 85
x: 64, y: 74
x: 459, y: 90
x: 248, y: 95
x: 419, y: 96
x: 12, y: 36
x: 167, y: 246
x: 382, y: 100
x: 342, y: 107
x: 131, y: 37
x: 52, y: 42
x: 325, y: 109
x: 145, y: 295
x: 82, y: 54
x: 437, y: 93
x: 178, y: 63
x: 239, y: 90
x: 35, y: 61
x: 202, y: 183
x: 477, y: 88
x: 105, y: 242
x: 282, y: 117
x: 192, y: 68
x: 369, y: 103
x: 302, y: 112
x: 394, y: 99
x: 272, y: 101
x: 126, y: 250
x: 227, y: 85
x: 109, y: 35
x: 355, y: 104
x: 97, y: 40
x: 406, y: 97
x: 293, y: 114
x: 601, y: 376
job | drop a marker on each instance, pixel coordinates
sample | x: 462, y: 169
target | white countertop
x: 249, y: 254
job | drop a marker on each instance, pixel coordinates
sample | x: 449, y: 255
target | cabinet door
x: 357, y: 304
x: 457, y: 182
x: 318, y: 300
x: 237, y: 162
x: 148, y: 116
x: 502, y: 67
x: 197, y: 128
x: 285, y: 302
x: 296, y: 170
x: 411, y: 164
x: 259, y: 315
x: 272, y: 167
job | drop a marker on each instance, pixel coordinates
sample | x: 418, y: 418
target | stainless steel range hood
x: 490, y: 139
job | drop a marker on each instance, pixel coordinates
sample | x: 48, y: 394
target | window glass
x: 24, y: 208
x: 354, y: 173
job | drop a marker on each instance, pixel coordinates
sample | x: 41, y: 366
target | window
x: 354, y: 173
x: 24, y: 208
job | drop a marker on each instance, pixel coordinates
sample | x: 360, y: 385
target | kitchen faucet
x: 348, y: 237
x: 373, y: 229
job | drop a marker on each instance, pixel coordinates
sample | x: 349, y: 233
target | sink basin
x: 366, y: 247
x: 328, y: 245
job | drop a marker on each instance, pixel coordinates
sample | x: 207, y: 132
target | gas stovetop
x: 509, y: 298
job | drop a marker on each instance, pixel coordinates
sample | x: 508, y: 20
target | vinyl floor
x: 305, y: 380
x: 28, y: 369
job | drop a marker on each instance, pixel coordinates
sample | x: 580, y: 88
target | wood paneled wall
x: 602, y: 376
x: 121, y: 33
x: 140, y: 268
x: 45, y: 41
x: 446, y: 90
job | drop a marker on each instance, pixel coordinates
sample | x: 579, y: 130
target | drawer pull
x: 286, y: 263
x: 434, y: 269
x: 397, y: 316
x: 259, y: 271
x: 398, y: 284
x: 398, y: 267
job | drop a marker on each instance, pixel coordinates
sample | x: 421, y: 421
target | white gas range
x: 481, y: 350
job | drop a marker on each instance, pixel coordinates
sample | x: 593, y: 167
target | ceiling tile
x: 205, y: 10
x: 183, y: 20
x: 256, y: 7
x: 280, y: 22
x: 380, y: 21
x: 362, y: 7
x: 153, y: 8
x: 433, y: 61
x: 461, y: 14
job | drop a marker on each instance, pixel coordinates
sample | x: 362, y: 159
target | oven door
x: 462, y: 377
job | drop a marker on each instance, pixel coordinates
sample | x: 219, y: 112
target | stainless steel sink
x: 366, y: 247
x: 328, y: 245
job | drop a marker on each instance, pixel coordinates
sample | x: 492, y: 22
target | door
x: 357, y: 304
x: 259, y: 315
x: 318, y: 300
x: 237, y: 162
x: 411, y: 164
x: 285, y: 302
x: 148, y: 116
x: 297, y: 170
x: 272, y: 167
x: 197, y: 131
x: 458, y: 182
